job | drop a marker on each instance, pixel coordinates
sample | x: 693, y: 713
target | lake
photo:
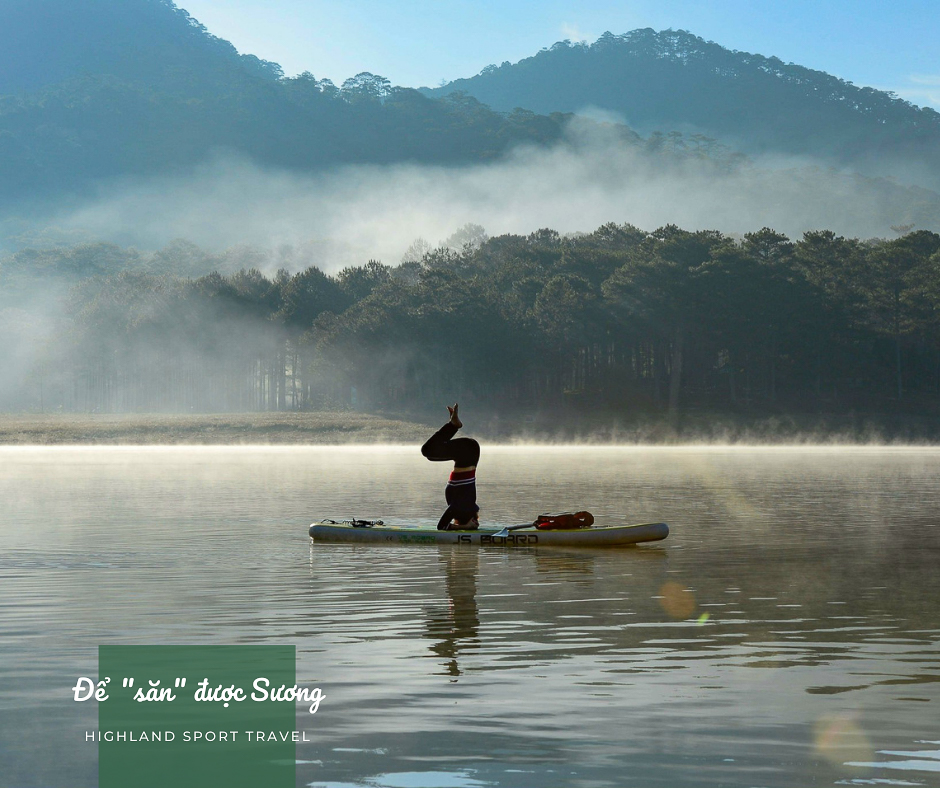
x: 787, y: 633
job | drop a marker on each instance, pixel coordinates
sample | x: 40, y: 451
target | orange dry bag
x: 564, y: 521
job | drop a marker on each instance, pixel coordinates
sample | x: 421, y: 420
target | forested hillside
x: 663, y: 322
x: 108, y: 89
x: 620, y: 318
x: 675, y: 80
x: 46, y: 42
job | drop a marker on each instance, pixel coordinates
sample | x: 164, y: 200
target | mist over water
x: 785, y: 634
x: 355, y: 213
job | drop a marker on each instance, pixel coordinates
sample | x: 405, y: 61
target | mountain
x: 99, y: 92
x: 50, y: 41
x: 675, y: 80
x: 94, y: 90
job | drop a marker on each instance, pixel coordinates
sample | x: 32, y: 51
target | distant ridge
x: 45, y: 42
x: 99, y: 90
x: 675, y: 80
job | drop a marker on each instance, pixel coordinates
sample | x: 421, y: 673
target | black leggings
x: 461, y: 497
x: 443, y: 446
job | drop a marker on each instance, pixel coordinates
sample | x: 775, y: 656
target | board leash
x: 354, y: 522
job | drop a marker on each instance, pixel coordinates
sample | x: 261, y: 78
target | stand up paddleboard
x: 527, y: 536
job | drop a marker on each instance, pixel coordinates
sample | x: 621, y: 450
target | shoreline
x: 354, y: 428
x: 227, y: 429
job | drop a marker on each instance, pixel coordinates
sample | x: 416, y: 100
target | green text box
x: 180, y: 742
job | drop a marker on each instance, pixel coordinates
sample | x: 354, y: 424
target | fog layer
x: 596, y: 176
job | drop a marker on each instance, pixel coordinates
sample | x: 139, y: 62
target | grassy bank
x: 226, y: 429
x: 343, y: 427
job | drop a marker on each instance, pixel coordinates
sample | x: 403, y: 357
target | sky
x: 885, y: 45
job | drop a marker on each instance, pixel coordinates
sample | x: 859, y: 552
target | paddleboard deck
x: 603, y: 536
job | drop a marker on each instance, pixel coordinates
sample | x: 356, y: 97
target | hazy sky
x: 887, y: 45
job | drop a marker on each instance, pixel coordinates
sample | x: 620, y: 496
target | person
x: 462, y: 513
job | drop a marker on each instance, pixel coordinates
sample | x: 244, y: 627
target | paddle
x: 505, y: 531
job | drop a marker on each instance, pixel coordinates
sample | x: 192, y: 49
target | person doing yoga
x: 462, y: 512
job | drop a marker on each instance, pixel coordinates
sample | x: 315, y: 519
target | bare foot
x: 454, y: 419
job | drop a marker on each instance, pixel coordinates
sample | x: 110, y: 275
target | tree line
x: 619, y: 318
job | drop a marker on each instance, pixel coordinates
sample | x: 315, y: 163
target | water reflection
x: 786, y: 633
x: 430, y: 779
x: 454, y: 627
x: 914, y: 765
x: 565, y: 565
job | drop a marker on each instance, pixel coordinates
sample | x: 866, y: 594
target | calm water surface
x: 786, y: 634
